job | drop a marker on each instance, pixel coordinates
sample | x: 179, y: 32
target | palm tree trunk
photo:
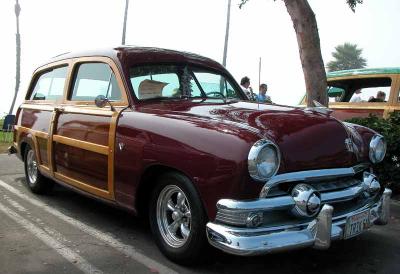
x: 18, y: 58
x: 305, y: 26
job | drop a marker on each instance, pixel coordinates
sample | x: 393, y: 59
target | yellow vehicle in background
x: 355, y: 93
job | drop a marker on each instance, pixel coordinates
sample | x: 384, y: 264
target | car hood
x: 307, y: 139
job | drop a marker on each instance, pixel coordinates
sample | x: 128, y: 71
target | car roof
x: 134, y: 55
x: 368, y: 71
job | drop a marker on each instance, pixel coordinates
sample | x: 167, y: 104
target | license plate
x: 356, y: 224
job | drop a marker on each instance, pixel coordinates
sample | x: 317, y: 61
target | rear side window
x: 93, y: 79
x: 50, y: 85
x: 360, y: 90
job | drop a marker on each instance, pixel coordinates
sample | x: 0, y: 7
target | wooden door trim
x: 93, y: 147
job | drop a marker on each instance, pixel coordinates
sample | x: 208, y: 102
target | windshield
x: 175, y: 82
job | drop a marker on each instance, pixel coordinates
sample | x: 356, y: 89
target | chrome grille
x: 345, y: 191
x: 335, y: 185
x: 232, y: 217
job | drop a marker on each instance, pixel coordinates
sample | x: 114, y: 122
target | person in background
x: 356, y: 98
x: 245, y: 83
x: 380, y: 97
x: 262, y: 96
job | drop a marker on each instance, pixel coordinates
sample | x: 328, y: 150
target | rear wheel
x: 36, y: 182
x: 177, y: 219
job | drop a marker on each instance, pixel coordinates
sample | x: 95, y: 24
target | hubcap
x: 173, y: 216
x: 31, y: 167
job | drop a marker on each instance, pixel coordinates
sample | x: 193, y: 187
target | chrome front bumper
x: 317, y: 233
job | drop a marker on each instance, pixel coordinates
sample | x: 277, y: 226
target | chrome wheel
x: 32, y: 168
x: 173, y: 216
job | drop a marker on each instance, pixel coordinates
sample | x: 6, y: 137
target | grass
x: 5, y: 139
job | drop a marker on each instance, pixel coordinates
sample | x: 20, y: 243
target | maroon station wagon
x: 169, y: 135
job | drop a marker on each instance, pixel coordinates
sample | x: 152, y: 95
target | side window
x: 373, y: 94
x: 93, y: 79
x: 50, y: 85
x: 360, y: 90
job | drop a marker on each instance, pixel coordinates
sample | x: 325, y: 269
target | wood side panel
x: 85, y: 166
x: 35, y: 119
x: 81, y: 144
x: 111, y: 156
x: 344, y: 114
x: 37, y: 139
x: 42, y: 144
x: 88, y: 128
x: 81, y: 186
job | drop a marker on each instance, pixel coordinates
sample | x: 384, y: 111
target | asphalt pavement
x: 65, y: 232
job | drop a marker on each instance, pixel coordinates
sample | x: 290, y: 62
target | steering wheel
x: 215, y: 94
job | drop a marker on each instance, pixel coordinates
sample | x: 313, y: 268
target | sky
x: 261, y: 29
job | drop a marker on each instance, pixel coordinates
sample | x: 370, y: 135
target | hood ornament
x: 320, y: 108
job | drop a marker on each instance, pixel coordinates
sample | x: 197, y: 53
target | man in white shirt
x: 245, y: 83
x: 356, y: 98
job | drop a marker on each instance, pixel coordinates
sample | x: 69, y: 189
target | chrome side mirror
x: 101, y: 101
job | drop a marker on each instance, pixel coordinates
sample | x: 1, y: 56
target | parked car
x: 169, y: 135
x: 353, y: 93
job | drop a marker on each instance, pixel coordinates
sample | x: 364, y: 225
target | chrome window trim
x: 310, y: 176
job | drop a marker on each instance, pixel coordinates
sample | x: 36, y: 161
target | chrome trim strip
x: 342, y: 195
x: 311, y: 176
x: 275, y: 203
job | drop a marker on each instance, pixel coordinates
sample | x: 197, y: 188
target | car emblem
x: 349, y: 144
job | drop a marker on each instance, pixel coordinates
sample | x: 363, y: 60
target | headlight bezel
x: 253, y: 157
x: 373, y: 145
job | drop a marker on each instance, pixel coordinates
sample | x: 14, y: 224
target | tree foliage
x: 388, y: 170
x: 347, y: 56
x: 353, y: 3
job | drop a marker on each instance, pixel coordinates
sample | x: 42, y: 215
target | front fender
x: 211, y: 153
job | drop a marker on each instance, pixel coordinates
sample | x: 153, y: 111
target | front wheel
x: 36, y: 182
x: 177, y: 219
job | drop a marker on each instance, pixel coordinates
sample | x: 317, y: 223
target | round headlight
x: 377, y: 149
x: 263, y: 160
